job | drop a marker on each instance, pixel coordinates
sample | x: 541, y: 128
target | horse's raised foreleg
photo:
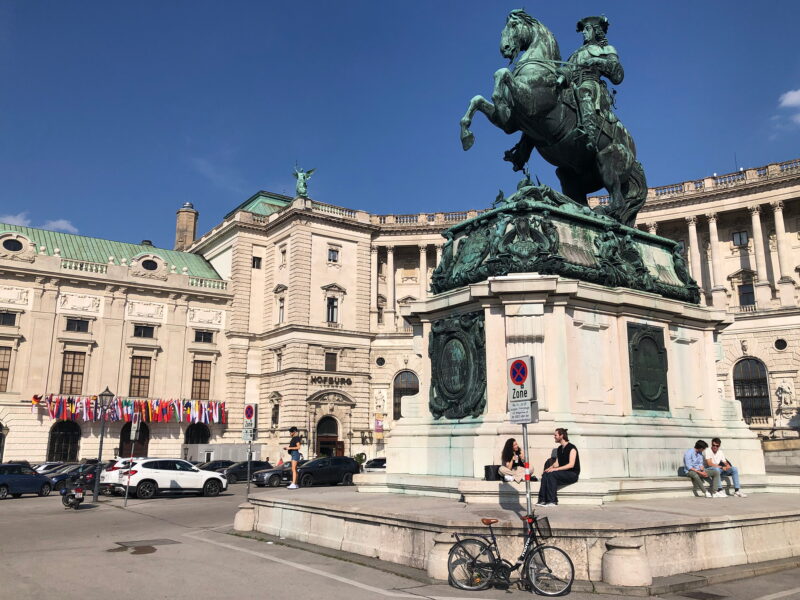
x: 501, y: 96
x: 478, y: 103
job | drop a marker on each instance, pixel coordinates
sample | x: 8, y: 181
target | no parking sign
x: 522, y: 405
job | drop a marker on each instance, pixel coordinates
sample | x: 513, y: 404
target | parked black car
x: 86, y: 470
x: 238, y: 471
x: 339, y: 469
x: 16, y: 479
x: 275, y: 477
x: 215, y: 465
x: 376, y: 464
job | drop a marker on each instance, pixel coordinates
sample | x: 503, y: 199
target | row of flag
x: 157, y: 410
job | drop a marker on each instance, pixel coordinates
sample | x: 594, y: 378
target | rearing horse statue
x: 531, y: 99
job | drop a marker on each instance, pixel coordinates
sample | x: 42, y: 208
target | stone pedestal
x: 579, y: 335
x: 625, y: 562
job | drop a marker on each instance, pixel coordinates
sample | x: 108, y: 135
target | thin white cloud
x: 60, y: 225
x: 51, y: 225
x: 796, y: 118
x: 18, y: 219
x: 222, y: 176
x: 790, y: 99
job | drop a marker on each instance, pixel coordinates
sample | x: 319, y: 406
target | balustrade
x: 83, y: 266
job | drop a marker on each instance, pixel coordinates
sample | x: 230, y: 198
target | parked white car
x: 110, y: 480
x: 150, y: 476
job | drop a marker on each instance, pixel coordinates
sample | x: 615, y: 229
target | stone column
x: 762, y: 286
x: 389, y: 318
x: 373, y: 287
x: 695, y: 264
x: 785, y: 282
x: 438, y: 254
x: 719, y: 297
x: 423, y: 271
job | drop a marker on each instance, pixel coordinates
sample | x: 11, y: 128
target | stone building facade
x: 301, y: 303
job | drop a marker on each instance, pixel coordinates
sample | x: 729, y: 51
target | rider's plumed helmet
x: 601, y: 21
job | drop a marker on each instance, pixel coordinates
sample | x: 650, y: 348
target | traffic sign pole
x: 527, y: 469
x: 523, y: 408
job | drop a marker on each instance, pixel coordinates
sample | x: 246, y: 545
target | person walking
x: 294, y: 452
x: 565, y: 469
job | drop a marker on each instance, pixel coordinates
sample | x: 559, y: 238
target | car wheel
x: 212, y: 487
x: 3, y: 492
x: 16, y: 495
x: 347, y: 479
x: 306, y: 480
x: 61, y: 485
x: 232, y: 479
x: 45, y: 489
x: 146, y: 490
x: 275, y: 481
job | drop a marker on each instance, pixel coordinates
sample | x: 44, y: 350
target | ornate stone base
x: 631, y: 407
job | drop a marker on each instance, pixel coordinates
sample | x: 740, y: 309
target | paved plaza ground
x: 181, y: 548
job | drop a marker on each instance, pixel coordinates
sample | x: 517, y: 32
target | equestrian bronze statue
x: 564, y: 110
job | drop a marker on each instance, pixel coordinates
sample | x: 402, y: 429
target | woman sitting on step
x: 512, y: 460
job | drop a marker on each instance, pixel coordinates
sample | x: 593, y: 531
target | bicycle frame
x: 531, y: 542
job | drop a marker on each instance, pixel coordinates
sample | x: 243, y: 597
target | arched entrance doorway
x: 750, y: 387
x: 64, y: 442
x: 328, y: 443
x: 197, y: 433
x: 406, y: 383
x: 139, y: 446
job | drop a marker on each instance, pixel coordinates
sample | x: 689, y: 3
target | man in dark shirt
x: 294, y: 452
x: 564, y: 471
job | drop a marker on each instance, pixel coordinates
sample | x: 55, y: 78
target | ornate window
x: 332, y: 310
x: 72, y: 369
x: 78, y: 325
x: 747, y: 296
x: 8, y: 318
x: 750, y: 387
x: 144, y: 331
x: 276, y: 415
x: 201, y: 379
x: 406, y: 383
x: 280, y: 303
x: 140, y: 376
x: 204, y: 337
x: 333, y: 295
x: 333, y: 254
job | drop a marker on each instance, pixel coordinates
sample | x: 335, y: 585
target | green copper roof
x: 263, y: 203
x: 80, y: 247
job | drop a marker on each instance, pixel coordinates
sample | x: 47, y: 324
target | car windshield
x: 317, y: 462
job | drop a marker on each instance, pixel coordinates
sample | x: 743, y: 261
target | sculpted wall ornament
x: 15, y: 296
x: 153, y: 311
x: 150, y: 266
x: 15, y: 246
x: 80, y: 303
x: 457, y: 349
x: 648, y: 367
x: 205, y: 317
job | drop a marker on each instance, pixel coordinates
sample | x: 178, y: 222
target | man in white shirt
x: 715, y: 459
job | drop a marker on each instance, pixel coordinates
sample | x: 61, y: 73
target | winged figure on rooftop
x: 564, y: 111
x: 301, y: 188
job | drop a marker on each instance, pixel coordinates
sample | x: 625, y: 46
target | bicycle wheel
x: 549, y: 571
x: 470, y: 564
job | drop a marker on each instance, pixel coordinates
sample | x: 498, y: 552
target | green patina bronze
x: 301, y: 188
x: 648, y: 365
x: 456, y: 347
x: 564, y: 111
x: 539, y: 230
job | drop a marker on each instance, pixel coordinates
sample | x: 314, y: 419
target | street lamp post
x: 105, y: 399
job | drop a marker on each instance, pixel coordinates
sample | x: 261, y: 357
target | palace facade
x: 293, y: 305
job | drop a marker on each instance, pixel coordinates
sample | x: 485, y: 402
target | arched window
x: 750, y: 387
x: 139, y: 446
x: 405, y: 384
x: 197, y: 433
x: 64, y: 442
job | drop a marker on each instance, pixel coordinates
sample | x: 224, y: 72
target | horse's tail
x: 635, y: 192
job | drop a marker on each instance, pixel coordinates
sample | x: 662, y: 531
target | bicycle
x: 475, y: 563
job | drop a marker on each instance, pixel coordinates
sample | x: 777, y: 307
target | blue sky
x: 113, y: 114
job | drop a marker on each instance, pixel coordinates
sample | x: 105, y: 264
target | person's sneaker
x: 709, y: 495
x: 292, y: 486
x: 509, y: 478
x: 720, y: 494
x: 740, y: 494
x: 542, y: 504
